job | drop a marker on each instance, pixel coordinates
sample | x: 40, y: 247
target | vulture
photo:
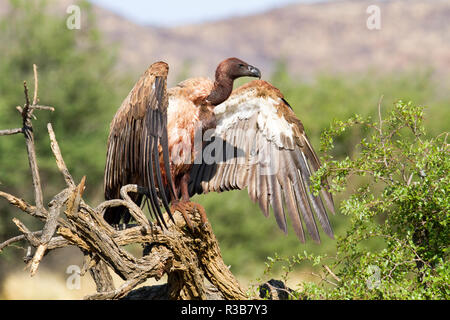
x: 202, y: 136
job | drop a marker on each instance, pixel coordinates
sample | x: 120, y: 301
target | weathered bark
x: 191, y: 259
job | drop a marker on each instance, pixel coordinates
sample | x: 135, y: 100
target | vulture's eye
x: 241, y: 65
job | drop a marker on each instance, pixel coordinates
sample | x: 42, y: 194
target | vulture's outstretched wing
x: 260, y: 144
x: 137, y: 131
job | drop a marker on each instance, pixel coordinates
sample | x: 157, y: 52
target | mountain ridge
x: 310, y: 38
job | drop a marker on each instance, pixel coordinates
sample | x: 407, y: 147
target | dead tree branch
x: 10, y: 131
x: 27, y: 130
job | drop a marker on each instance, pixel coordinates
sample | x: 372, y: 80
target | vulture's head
x: 227, y: 71
x: 234, y: 68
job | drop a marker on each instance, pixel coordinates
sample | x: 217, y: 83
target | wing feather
x: 276, y: 202
x: 137, y: 130
x: 263, y: 200
x: 314, y: 160
x: 291, y: 206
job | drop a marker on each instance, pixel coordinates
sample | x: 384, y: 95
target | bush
x: 401, y: 208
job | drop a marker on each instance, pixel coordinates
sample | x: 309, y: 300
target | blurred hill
x: 326, y: 36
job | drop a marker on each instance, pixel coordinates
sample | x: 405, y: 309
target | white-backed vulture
x: 202, y: 136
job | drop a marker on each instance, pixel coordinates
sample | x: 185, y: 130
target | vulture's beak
x: 254, y: 72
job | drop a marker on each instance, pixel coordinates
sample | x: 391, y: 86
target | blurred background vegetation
x: 77, y: 76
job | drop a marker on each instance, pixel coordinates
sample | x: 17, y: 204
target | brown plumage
x: 200, y: 136
x: 138, y: 134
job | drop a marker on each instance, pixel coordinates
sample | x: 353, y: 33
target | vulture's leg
x: 185, y: 198
x: 181, y: 205
x: 185, y: 205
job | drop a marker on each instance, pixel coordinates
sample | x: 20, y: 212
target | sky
x: 187, y: 11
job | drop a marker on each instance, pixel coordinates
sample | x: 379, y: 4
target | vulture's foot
x: 198, y: 207
x: 189, y: 207
x: 182, y: 207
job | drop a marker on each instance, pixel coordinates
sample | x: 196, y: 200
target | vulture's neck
x: 221, y: 90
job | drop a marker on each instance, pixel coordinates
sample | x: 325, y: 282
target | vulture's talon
x: 189, y: 207
x: 202, y: 211
x: 183, y: 208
